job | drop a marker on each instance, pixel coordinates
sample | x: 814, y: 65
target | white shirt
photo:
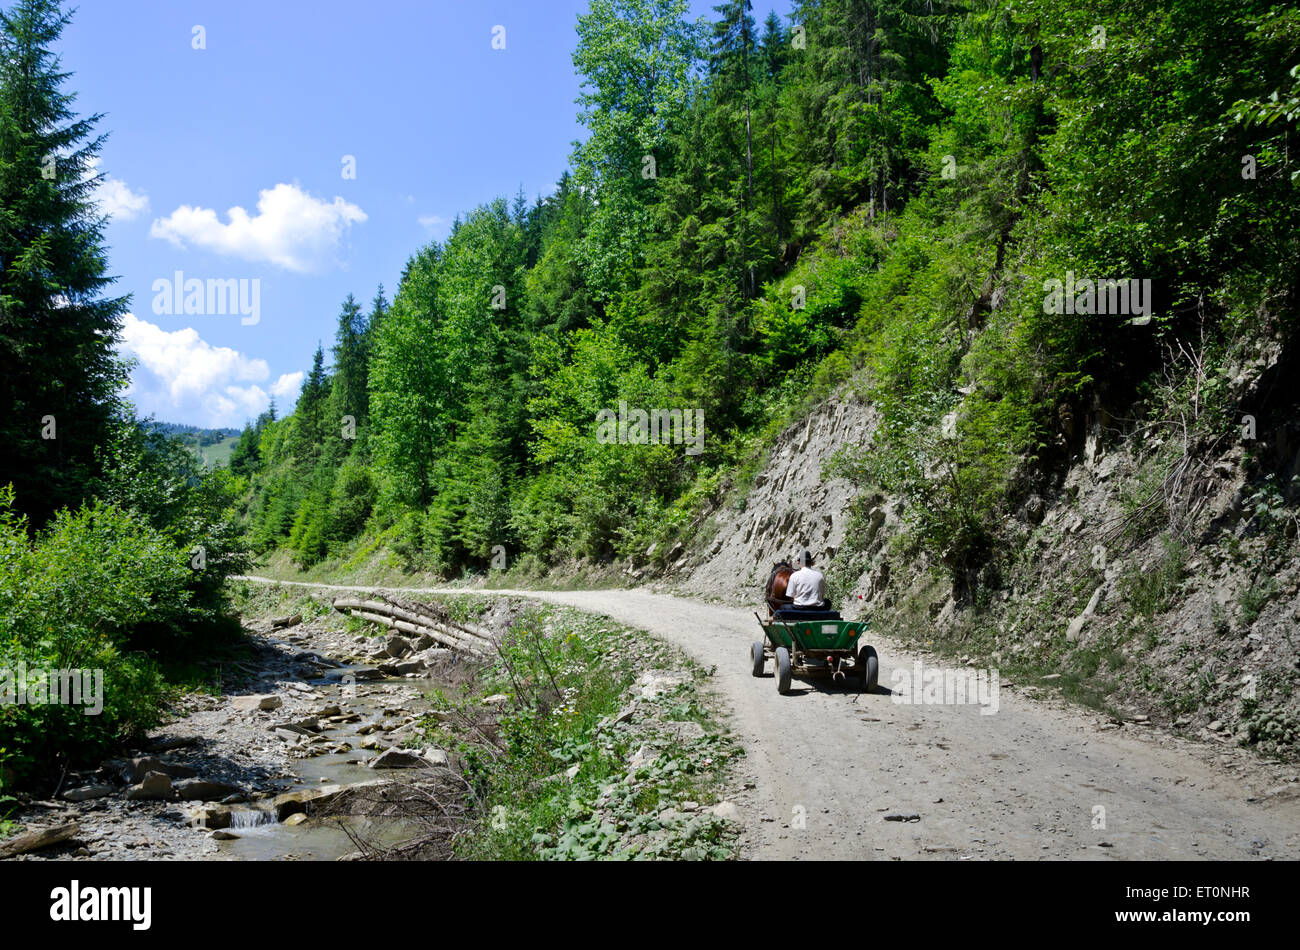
x: 807, y: 587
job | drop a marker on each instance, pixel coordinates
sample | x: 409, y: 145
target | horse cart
x: 811, y: 642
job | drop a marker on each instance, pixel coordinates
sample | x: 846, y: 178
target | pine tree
x: 732, y: 48
x: 351, y: 357
x: 57, y: 331
x: 308, y: 415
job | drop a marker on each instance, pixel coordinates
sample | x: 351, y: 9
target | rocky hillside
x: 790, y: 506
x: 1155, y: 574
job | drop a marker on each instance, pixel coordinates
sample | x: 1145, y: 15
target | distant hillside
x: 212, y: 446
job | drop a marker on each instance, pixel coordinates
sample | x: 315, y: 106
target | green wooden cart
x: 811, y: 647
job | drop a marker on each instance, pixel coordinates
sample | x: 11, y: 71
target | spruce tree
x: 59, y: 391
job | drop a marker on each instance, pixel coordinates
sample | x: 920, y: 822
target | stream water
x: 261, y: 837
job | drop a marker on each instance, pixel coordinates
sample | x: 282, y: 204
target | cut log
x: 415, y: 616
x: 397, y: 618
x: 34, y: 840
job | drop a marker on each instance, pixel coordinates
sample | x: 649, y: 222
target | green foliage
x: 79, y: 596
x: 566, y: 676
x: 875, y: 191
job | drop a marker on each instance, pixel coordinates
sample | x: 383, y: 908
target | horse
x: 774, y: 590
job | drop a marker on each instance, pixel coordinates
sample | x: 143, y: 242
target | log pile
x: 417, y: 620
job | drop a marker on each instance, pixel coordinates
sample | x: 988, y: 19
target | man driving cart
x: 806, y: 587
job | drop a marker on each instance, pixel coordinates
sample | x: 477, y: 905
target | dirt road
x: 1035, y: 779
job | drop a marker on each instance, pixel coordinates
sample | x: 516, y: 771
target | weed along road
x: 932, y: 773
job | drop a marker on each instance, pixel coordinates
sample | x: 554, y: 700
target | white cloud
x: 287, y: 387
x: 116, y: 198
x: 434, y: 223
x: 182, y: 377
x: 291, y: 229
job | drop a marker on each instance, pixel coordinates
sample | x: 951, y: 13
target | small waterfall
x: 250, y: 818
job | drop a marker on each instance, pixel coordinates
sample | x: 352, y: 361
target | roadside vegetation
x: 595, y: 741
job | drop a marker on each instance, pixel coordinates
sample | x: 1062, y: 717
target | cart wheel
x: 782, y: 670
x: 869, y: 664
x: 756, y: 654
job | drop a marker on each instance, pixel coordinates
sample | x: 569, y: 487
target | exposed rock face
x: 1071, y: 571
x: 791, y: 506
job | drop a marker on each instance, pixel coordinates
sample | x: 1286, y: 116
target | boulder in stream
x: 399, y: 759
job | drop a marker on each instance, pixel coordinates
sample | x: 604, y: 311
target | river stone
x: 133, y: 771
x: 397, y: 647
x: 295, y: 728
x: 398, y: 759
x: 154, y: 787
x: 203, y: 790
x: 433, y: 656
x: 292, y: 803
x: 296, y: 819
x: 255, y: 702
x: 409, y: 666
x: 210, y: 816
x: 88, y: 792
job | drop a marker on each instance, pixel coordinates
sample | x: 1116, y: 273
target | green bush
x: 76, y: 597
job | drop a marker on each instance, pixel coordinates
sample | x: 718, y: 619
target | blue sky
x: 261, y: 119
